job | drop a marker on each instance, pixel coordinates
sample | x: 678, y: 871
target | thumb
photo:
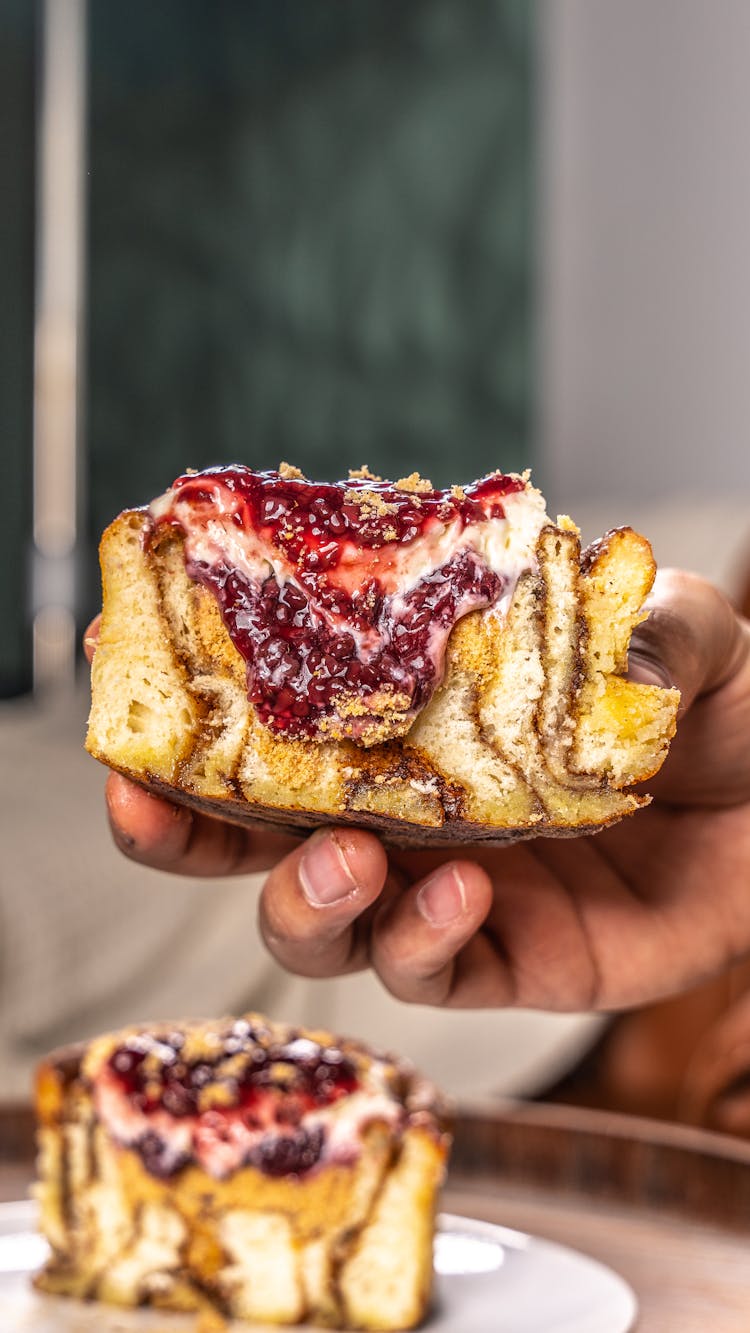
x: 691, y: 639
x: 694, y: 640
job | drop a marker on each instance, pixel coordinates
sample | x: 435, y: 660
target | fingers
x: 157, y: 833
x: 91, y: 638
x: 314, y: 905
x: 425, y: 946
x: 331, y: 908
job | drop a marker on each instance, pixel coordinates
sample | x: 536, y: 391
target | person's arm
x: 635, y: 912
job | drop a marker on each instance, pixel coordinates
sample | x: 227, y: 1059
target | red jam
x: 331, y: 618
x: 256, y: 1096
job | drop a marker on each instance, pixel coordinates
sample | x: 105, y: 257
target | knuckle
x: 432, y: 988
x: 278, y: 924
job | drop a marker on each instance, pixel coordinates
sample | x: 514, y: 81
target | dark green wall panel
x: 309, y: 238
x: 17, y: 35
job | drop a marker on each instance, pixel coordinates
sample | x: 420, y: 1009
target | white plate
x: 489, y: 1280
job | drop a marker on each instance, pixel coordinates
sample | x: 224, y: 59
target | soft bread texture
x: 349, y: 1245
x: 533, y: 731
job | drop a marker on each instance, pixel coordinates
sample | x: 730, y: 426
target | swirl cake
x: 242, y: 1167
x: 439, y: 665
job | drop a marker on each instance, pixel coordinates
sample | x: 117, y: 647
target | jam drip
x: 299, y: 667
x: 333, y: 631
x: 246, y: 1105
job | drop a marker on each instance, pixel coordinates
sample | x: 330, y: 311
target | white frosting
x: 506, y: 545
x: 343, y: 1121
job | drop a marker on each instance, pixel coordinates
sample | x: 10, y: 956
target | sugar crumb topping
x: 371, y: 503
x: 363, y: 473
x: 291, y: 473
x: 414, y: 484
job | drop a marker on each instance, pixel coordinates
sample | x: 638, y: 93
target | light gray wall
x: 645, y: 237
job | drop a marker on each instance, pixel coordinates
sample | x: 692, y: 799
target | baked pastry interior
x: 263, y: 1172
x: 437, y: 664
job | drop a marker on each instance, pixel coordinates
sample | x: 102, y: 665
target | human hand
x: 645, y: 908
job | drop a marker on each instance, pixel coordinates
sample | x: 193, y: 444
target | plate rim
x: 18, y: 1216
x: 520, y: 1241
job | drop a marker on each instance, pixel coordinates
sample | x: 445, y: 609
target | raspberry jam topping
x: 340, y: 597
x: 251, y: 1104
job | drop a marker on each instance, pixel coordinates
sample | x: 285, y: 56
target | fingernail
x: 643, y: 669
x: 324, y: 872
x: 441, y: 898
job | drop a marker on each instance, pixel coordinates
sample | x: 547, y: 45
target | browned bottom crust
x: 393, y: 832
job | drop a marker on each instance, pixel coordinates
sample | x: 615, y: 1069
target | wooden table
x: 667, y: 1207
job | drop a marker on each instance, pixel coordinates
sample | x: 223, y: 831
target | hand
x: 654, y: 904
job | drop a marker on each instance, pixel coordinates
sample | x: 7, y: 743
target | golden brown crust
x: 534, y: 730
x: 395, y: 832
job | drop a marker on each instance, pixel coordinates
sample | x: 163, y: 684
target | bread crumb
x: 371, y: 503
x: 363, y: 473
x: 380, y: 703
x: 567, y: 524
x: 414, y: 484
x: 291, y: 473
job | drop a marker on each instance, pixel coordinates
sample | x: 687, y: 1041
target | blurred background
x: 435, y: 236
